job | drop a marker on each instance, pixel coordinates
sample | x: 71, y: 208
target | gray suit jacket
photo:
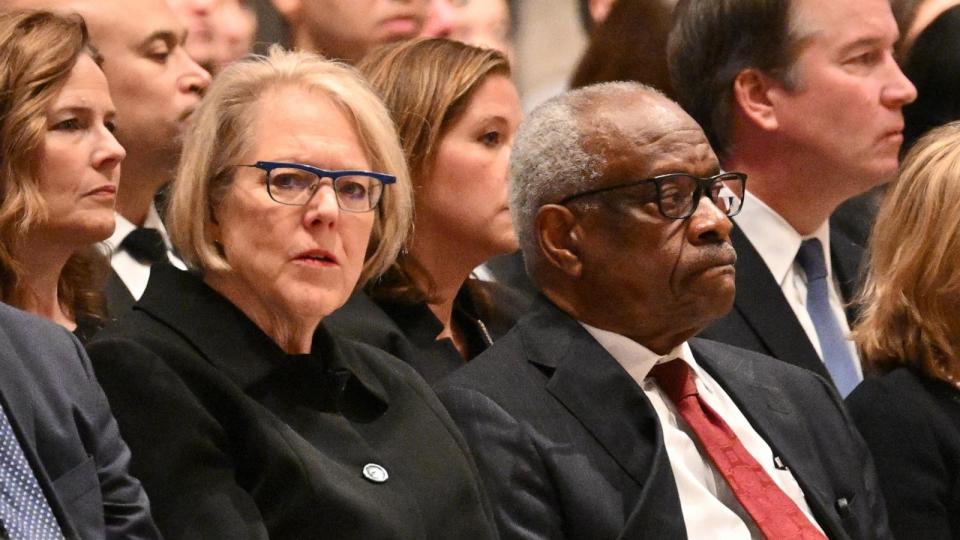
x: 569, y: 446
x: 64, y: 425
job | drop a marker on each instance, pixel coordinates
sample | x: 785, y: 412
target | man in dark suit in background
x: 59, y: 418
x: 597, y: 416
x: 805, y: 97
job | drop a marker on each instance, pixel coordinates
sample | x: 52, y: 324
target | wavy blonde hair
x: 912, y: 293
x: 38, y: 50
x: 221, y: 135
x: 427, y: 85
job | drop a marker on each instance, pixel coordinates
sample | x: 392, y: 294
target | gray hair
x: 222, y: 134
x: 549, y: 159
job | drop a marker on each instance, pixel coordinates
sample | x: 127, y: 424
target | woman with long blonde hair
x: 909, y: 335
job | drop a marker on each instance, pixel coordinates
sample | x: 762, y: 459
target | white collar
x: 775, y: 240
x: 636, y: 359
x: 125, y: 226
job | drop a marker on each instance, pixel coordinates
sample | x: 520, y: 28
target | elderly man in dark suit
x: 59, y: 428
x: 805, y: 97
x: 598, y: 415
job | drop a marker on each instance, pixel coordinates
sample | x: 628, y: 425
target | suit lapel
x: 846, y: 257
x: 119, y: 299
x: 775, y: 418
x: 760, y: 302
x: 18, y: 403
x: 611, y: 406
x: 17, y: 398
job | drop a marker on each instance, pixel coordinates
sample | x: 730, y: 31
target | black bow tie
x: 145, y: 245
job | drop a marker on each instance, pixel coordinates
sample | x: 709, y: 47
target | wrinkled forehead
x: 648, y: 139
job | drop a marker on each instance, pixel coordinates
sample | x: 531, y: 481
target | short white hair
x: 549, y: 159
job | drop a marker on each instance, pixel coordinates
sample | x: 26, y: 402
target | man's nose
x: 709, y: 223
x: 193, y: 78
x: 899, y: 90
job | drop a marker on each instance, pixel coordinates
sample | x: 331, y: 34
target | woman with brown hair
x: 908, y: 334
x: 456, y: 110
x: 59, y: 169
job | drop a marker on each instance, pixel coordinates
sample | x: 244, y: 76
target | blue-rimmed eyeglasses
x: 678, y: 194
x: 295, y: 184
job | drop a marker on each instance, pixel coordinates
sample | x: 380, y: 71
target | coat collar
x: 596, y: 389
x: 760, y: 302
x: 605, y: 399
x: 759, y: 397
x: 847, y: 259
x: 20, y: 400
x: 232, y: 343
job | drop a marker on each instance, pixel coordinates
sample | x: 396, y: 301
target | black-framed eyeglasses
x: 678, y: 194
x: 295, y: 184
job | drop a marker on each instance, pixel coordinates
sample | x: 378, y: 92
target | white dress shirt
x: 777, y: 243
x: 710, y: 510
x: 133, y: 273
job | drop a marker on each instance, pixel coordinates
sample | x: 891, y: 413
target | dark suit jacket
x: 761, y: 319
x: 570, y: 447
x: 409, y: 331
x: 118, y: 297
x: 912, y: 426
x: 233, y: 438
x: 65, y: 428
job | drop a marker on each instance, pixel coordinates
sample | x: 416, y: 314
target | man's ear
x: 560, y: 236
x: 752, y: 96
x: 287, y: 8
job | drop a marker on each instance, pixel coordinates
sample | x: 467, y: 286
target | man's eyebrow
x: 865, y: 42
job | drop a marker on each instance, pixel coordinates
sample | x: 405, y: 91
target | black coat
x: 409, y: 331
x: 912, y: 425
x: 569, y: 446
x: 233, y: 438
x: 67, y: 433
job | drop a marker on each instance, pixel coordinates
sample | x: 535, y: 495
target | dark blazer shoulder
x: 912, y: 426
x: 67, y: 431
x: 762, y: 365
x: 362, y: 319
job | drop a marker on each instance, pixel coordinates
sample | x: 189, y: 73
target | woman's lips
x: 316, y: 258
x: 105, y: 191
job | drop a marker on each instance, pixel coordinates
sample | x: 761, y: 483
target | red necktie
x: 775, y: 514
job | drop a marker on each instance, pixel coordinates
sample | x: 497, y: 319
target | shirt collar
x: 636, y: 359
x: 775, y: 240
x: 125, y: 226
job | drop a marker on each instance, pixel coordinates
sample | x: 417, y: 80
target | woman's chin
x: 319, y: 304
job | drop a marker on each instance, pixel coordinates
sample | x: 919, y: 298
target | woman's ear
x: 213, y: 226
x: 559, y: 236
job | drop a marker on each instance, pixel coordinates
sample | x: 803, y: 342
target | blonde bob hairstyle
x: 912, y: 292
x: 427, y: 85
x: 38, y: 50
x: 222, y: 134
